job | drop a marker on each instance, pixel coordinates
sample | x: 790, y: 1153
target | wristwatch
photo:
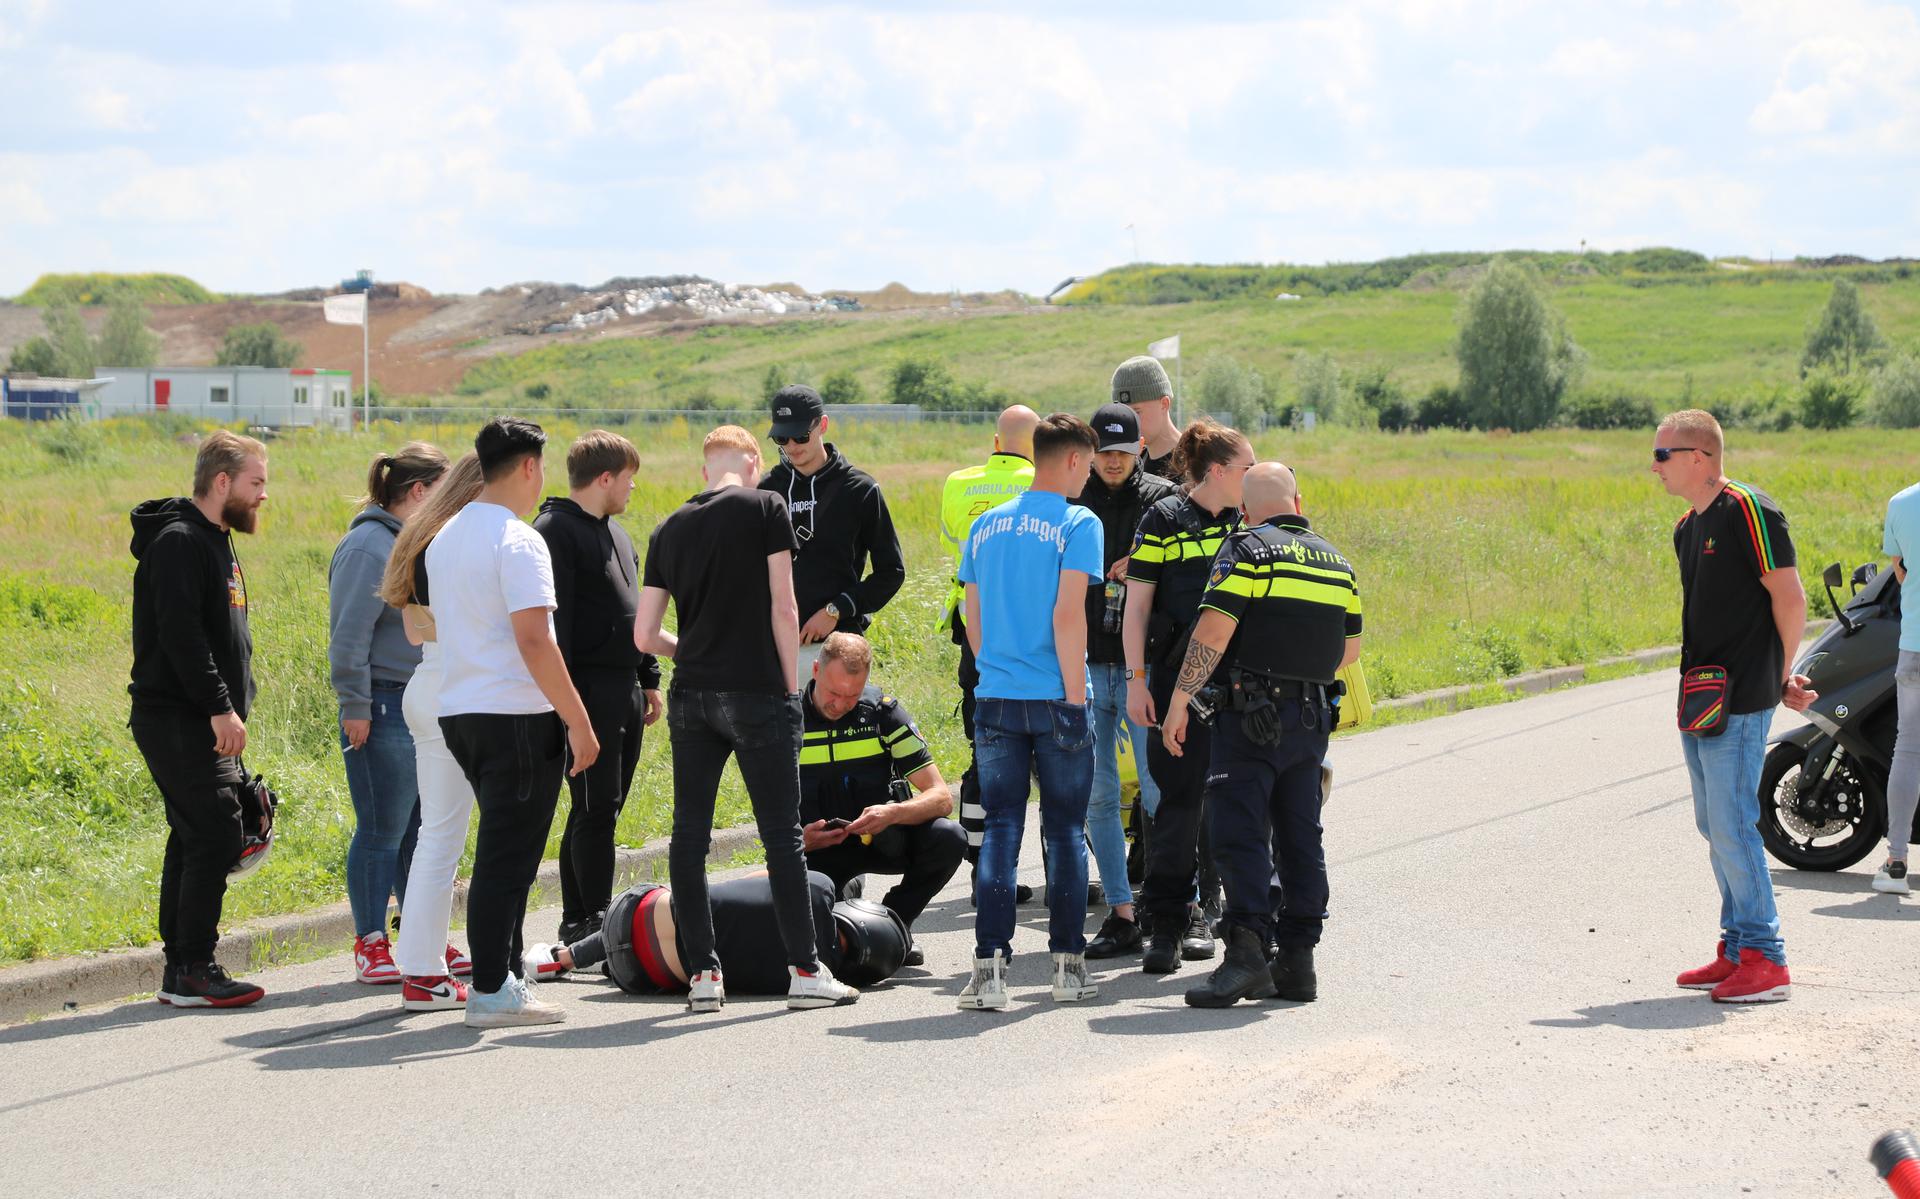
x: 1133, y: 674
x: 833, y: 609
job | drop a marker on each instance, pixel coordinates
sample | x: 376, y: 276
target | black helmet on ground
x: 876, y: 941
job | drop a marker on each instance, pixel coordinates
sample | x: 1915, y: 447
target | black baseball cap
x: 795, y: 409
x: 1116, y: 428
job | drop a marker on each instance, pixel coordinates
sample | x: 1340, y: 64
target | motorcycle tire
x: 1789, y: 845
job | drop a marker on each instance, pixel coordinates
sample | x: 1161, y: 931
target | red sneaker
x: 1758, y: 980
x: 458, y: 963
x: 433, y: 994
x: 1706, y: 978
x: 373, y: 960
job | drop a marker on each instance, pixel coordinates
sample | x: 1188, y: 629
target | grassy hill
x: 1706, y: 333
x: 101, y: 288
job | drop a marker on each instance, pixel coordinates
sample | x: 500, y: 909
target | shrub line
x: 39, y: 988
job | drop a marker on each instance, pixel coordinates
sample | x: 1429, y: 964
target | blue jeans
x: 1012, y: 740
x: 1104, y: 827
x: 1725, y: 771
x: 386, y: 812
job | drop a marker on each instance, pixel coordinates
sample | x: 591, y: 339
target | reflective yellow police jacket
x: 969, y: 492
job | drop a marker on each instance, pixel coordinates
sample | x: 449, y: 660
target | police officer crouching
x: 871, y: 799
x: 1280, y: 616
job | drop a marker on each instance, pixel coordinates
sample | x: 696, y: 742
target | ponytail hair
x: 1205, y: 444
x: 392, y: 475
x: 463, y: 482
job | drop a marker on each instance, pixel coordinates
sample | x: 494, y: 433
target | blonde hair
x: 222, y: 453
x: 729, y: 438
x: 1698, y: 426
x: 852, y: 651
x: 456, y: 491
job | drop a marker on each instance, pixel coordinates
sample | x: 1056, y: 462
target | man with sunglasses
x: 848, y: 564
x: 1742, y: 611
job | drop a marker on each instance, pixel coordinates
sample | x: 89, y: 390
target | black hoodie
x: 840, y: 520
x: 192, y: 650
x: 1119, y: 509
x: 596, y: 583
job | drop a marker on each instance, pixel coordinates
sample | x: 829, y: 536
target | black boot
x: 1293, y: 976
x: 1241, y: 975
x: 1163, y: 952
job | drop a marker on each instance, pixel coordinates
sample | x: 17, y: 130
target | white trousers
x: 446, y: 807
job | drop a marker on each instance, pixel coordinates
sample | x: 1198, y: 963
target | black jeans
x: 924, y: 855
x: 1179, y: 850
x: 1264, y: 801
x: 201, y: 790
x: 973, y: 817
x: 617, y: 710
x: 762, y: 733
x: 514, y: 764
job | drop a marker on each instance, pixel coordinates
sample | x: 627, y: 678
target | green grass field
x: 1480, y: 556
x: 1727, y: 335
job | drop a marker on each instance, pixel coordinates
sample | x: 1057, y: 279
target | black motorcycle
x: 1823, y: 791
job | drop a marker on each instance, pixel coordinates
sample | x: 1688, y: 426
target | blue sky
x: 270, y: 145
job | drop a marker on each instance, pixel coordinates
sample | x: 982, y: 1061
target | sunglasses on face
x: 1662, y: 453
x: 803, y: 439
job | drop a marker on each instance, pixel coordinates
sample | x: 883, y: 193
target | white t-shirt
x: 487, y: 564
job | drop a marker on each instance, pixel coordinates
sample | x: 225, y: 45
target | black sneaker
x: 1196, y: 944
x: 207, y: 984
x: 1022, y: 893
x: 169, y: 982
x: 1096, y: 894
x: 1116, y: 937
x: 915, y: 957
x: 1216, y: 919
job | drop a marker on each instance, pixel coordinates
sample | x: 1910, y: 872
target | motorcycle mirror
x: 1831, y: 576
x: 1864, y: 574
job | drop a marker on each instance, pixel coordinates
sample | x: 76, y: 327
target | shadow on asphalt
x: 133, y: 1013
x: 1669, y: 1013
x: 1873, y: 907
x: 1174, y: 1021
x: 1835, y: 881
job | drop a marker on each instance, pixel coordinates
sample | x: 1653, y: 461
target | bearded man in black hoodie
x: 192, y: 687
x: 596, y: 582
x: 840, y: 521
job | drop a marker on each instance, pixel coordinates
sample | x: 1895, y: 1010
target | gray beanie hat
x: 1139, y: 380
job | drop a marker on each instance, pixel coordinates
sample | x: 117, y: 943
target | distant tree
x: 1845, y: 336
x: 922, y: 381
x: 73, y: 349
x: 257, y: 345
x: 797, y: 374
x: 126, y: 341
x: 1442, y: 408
x: 1516, y: 357
x: 1234, y: 390
x: 35, y: 356
x: 843, y: 387
x: 772, y: 381
x: 1829, y: 400
x: 1896, y: 394
x: 1375, y: 400
x: 1317, y: 378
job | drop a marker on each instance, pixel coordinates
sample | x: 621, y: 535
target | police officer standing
x: 1280, y: 616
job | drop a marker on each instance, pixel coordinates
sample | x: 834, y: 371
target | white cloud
x: 1590, y: 59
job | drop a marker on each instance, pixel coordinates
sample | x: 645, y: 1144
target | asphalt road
x: 1514, y: 889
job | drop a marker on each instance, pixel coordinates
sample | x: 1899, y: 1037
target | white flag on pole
x: 349, y: 309
x: 1166, y: 347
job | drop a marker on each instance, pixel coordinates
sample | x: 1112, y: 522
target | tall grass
x: 1479, y: 556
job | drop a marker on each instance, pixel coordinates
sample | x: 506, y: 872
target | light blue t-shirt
x: 1014, y: 554
x: 1902, y: 540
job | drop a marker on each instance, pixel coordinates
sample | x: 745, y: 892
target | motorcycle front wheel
x: 1831, y: 829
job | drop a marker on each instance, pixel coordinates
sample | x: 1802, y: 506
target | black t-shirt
x: 1292, y: 596
x: 420, y: 591
x: 711, y: 555
x: 1162, y: 466
x: 847, y: 764
x: 1727, y: 614
x: 746, y: 936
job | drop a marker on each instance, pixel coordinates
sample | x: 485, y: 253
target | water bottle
x: 1114, y: 615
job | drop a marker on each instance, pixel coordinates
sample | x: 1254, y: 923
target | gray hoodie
x: 366, y: 641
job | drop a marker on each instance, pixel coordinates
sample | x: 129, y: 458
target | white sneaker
x: 510, y: 1007
x: 1892, y: 879
x: 1070, y: 983
x: 538, y: 963
x: 706, y: 993
x: 987, y: 989
x: 818, y: 989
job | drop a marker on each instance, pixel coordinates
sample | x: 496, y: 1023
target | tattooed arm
x: 1211, y: 633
